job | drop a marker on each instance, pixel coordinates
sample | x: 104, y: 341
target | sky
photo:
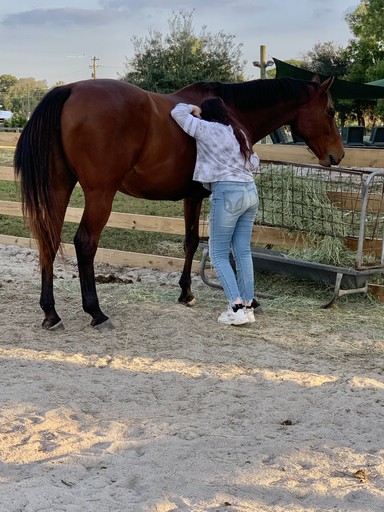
x: 57, y: 40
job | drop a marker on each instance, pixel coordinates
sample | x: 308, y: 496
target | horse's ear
x: 316, y: 78
x: 327, y: 84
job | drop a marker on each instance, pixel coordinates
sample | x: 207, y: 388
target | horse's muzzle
x: 335, y: 161
x: 331, y: 160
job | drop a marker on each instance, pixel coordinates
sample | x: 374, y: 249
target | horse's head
x: 315, y: 123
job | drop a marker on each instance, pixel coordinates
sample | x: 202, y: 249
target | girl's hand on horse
x: 196, y: 111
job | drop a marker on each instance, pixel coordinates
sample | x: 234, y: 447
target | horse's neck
x: 281, y: 109
x: 262, y: 122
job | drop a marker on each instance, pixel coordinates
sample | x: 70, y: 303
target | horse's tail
x: 39, y: 143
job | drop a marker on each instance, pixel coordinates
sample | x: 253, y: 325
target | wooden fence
x: 128, y: 221
x: 355, y: 157
x: 171, y: 225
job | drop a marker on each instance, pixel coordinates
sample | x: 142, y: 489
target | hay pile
x: 294, y: 200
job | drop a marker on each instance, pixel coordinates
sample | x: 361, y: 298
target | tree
x: 367, y: 22
x: 165, y: 63
x: 366, y: 51
x: 23, y: 96
x: 6, y: 81
x: 328, y: 59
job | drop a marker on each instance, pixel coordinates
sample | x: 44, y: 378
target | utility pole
x: 94, y: 66
x: 263, y: 64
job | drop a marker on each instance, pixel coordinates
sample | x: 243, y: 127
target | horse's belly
x: 156, y: 186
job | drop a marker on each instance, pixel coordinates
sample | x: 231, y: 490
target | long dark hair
x: 214, y: 109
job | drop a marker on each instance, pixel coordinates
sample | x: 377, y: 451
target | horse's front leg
x: 192, y: 208
x: 96, y: 212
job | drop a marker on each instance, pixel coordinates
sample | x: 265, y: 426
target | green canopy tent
x: 341, y: 89
x: 376, y: 82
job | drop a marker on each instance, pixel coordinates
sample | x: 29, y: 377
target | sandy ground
x: 172, y: 412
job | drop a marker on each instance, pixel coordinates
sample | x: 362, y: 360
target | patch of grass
x: 127, y: 204
x: 9, y: 191
x: 13, y: 226
x: 111, y: 238
x: 6, y: 157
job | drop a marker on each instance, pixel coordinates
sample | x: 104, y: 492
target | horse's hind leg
x: 47, y: 301
x: 96, y: 212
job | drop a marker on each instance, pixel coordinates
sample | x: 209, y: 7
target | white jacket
x: 218, y: 151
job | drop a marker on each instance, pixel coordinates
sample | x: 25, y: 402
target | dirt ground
x: 170, y: 411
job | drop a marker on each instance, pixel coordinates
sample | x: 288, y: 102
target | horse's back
x: 126, y: 136
x: 98, y: 110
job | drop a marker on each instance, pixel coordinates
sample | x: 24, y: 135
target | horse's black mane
x: 256, y: 93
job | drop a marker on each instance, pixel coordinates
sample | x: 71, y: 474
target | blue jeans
x: 233, y: 210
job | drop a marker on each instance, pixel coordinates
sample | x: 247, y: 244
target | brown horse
x: 112, y: 136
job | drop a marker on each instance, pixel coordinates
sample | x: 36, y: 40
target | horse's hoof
x: 107, y: 325
x: 57, y: 327
x: 189, y: 302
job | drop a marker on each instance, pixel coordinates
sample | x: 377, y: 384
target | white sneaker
x: 253, y: 308
x: 250, y: 315
x: 229, y: 317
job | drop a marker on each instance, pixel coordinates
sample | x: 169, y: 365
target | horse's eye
x: 331, y: 112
